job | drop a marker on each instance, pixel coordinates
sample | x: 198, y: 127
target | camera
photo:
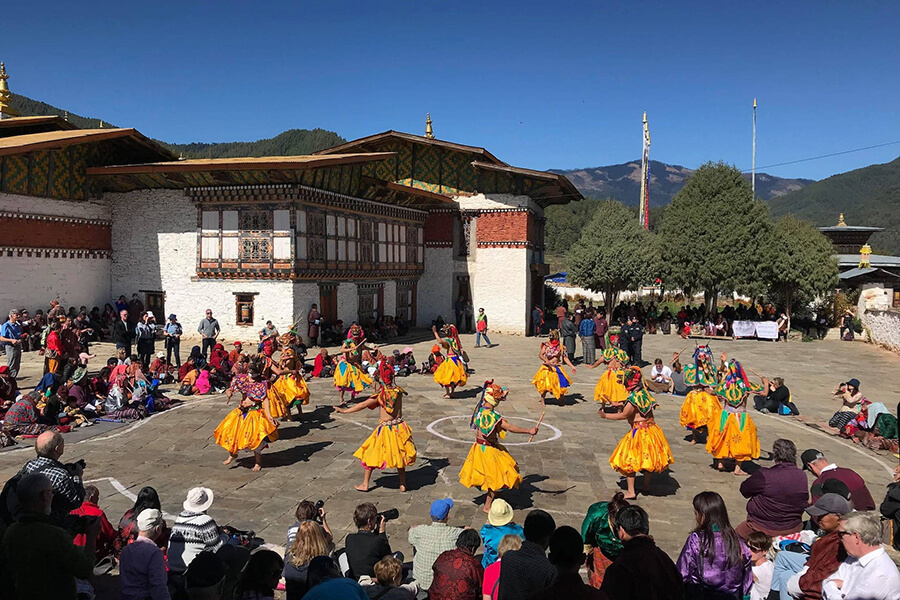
x: 72, y: 467
x: 319, y: 505
x: 390, y: 514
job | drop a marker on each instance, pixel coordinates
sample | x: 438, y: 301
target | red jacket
x: 825, y: 556
x: 107, y: 535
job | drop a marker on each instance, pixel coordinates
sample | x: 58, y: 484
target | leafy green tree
x: 715, y: 236
x: 613, y: 254
x: 802, y: 265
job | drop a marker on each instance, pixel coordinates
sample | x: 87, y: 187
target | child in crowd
x: 159, y: 368
x: 763, y: 569
x: 189, y: 381
x: 202, y: 384
x: 434, y: 361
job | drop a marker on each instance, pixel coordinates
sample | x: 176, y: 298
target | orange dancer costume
x: 391, y: 445
x: 700, y: 405
x: 249, y: 426
x: 732, y: 433
x: 644, y: 448
x: 290, y: 389
x: 551, y: 377
x: 349, y: 376
x: 610, y: 388
x: 489, y: 466
x: 452, y: 371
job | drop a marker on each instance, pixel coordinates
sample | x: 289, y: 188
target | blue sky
x: 540, y: 84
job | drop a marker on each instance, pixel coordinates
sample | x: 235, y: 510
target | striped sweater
x: 192, y: 534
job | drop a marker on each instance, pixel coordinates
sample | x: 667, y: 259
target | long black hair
x: 255, y: 576
x: 146, y: 498
x: 713, y: 516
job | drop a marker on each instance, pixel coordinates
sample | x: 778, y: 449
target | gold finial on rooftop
x: 864, y: 254
x: 841, y: 222
x: 6, y: 109
x: 429, y: 132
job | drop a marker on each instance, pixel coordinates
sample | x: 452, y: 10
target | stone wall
x: 883, y: 327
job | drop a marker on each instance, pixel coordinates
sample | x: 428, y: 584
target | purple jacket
x: 778, y: 496
x: 717, y: 575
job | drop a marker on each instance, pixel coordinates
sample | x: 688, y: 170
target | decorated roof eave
x: 416, y: 197
x: 33, y: 124
x: 549, y: 188
x: 373, y: 140
x: 128, y: 138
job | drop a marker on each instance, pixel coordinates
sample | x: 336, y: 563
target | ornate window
x: 465, y: 236
x: 256, y: 249
x: 366, y: 243
x: 256, y: 220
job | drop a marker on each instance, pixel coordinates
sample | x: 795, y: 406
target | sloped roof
x: 38, y: 124
x: 418, y: 139
x: 146, y: 149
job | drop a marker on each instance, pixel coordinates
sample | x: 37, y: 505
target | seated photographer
x: 39, y: 558
x: 777, y: 399
x: 307, y: 511
x: 368, y: 545
x: 68, y: 490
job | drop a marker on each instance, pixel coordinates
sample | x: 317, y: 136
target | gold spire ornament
x: 6, y: 109
x: 429, y: 132
x: 841, y: 222
x: 864, y: 255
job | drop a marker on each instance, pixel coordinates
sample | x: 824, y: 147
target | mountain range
x: 867, y: 196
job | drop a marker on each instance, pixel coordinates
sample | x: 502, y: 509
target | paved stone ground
x: 313, y: 460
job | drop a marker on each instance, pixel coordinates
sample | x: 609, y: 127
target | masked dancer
x: 349, y: 375
x: 551, y: 377
x: 701, y: 404
x: 610, y: 389
x: 290, y: 389
x: 451, y: 373
x: 732, y: 433
x: 249, y: 426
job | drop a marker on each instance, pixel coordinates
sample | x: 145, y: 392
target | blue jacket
x: 586, y: 327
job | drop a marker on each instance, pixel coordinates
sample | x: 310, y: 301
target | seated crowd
x: 55, y: 539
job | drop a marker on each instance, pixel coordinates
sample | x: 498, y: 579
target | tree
x: 613, y: 254
x: 715, y: 236
x: 802, y: 266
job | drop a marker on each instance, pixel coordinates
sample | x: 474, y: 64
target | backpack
x: 9, y: 498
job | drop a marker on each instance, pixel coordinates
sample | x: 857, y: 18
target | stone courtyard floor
x: 565, y: 469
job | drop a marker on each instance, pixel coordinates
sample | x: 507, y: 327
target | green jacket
x: 42, y: 561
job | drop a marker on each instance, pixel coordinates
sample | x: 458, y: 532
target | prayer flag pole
x: 753, y: 170
x: 645, y: 177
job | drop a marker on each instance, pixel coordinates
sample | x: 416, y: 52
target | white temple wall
x: 305, y: 295
x: 35, y: 205
x: 435, y: 289
x: 348, y: 303
x: 390, y: 298
x: 500, y: 286
x: 496, y: 201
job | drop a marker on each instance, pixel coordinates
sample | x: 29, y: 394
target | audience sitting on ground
x: 307, y: 511
x: 776, y: 400
x: 600, y: 535
x: 777, y: 495
x: 369, y: 544
x: 127, y: 531
x: 763, y: 568
x: 567, y: 554
x: 142, y: 567
x: 867, y: 573
x: 260, y: 576
x: 326, y: 582
x: 194, y: 531
x: 68, y: 490
x: 206, y: 577
x: 500, y: 524
x: 323, y: 365
x: 38, y: 558
x: 106, y: 539
x: 815, y: 462
x: 307, y: 543
x: 526, y: 571
x: 458, y: 575
x: 642, y: 571
x: 430, y: 541
x: 491, y: 584
x: 714, y: 560
x: 435, y: 358
x: 388, y: 576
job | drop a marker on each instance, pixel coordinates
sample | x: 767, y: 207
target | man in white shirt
x: 868, y: 573
x: 661, y: 378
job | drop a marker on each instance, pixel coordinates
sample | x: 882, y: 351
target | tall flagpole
x: 753, y: 175
x: 645, y: 177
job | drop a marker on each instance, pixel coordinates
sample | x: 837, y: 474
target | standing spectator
x: 489, y: 589
x: 145, y: 332
x: 267, y: 339
x: 586, y: 330
x: 122, y: 333
x: 625, y: 342
x: 567, y: 554
x: 642, y: 571
x: 11, y: 337
x: 868, y: 573
x: 458, y: 574
x: 561, y: 311
x: 366, y: 547
x: 260, y: 576
x: 499, y: 525
x: 209, y: 329
x: 661, y: 378
x: 194, y: 531
x: 135, y: 310
x: 314, y: 320
x: 121, y: 304
x: 527, y: 570
x: 481, y: 329
x: 816, y: 463
x: 537, y: 320
x: 388, y: 575
x: 173, y: 333
x: 470, y: 313
x: 39, y: 558
x: 601, y: 326
x: 142, y: 568
x: 460, y: 309
x: 568, y: 332
x: 847, y: 326
x: 714, y: 562
x: 777, y: 494
x: 68, y: 490
x: 430, y: 541
x: 106, y: 539
x: 636, y: 336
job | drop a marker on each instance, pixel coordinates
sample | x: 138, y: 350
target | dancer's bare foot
x: 228, y: 460
x: 447, y: 396
x: 361, y: 488
x: 402, y: 488
x: 738, y: 472
x: 720, y: 466
x: 631, y: 496
x: 693, y: 442
x: 485, y: 510
x: 256, y: 468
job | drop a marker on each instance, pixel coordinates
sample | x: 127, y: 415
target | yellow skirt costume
x: 732, y: 435
x: 451, y: 372
x: 644, y: 448
x: 551, y: 379
x: 609, y: 388
x: 698, y: 408
x: 389, y: 447
x: 350, y: 377
x: 241, y: 430
x: 490, y: 468
x: 286, y: 392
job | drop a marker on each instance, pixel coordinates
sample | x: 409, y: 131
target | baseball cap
x: 829, y: 504
x: 440, y: 509
x: 831, y: 486
x: 809, y: 456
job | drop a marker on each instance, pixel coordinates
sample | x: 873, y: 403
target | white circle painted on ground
x: 556, y: 432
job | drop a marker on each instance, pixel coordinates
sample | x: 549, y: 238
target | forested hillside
x: 292, y: 142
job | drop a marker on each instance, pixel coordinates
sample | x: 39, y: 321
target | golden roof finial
x: 6, y: 109
x: 864, y: 253
x: 841, y: 222
x: 429, y: 132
